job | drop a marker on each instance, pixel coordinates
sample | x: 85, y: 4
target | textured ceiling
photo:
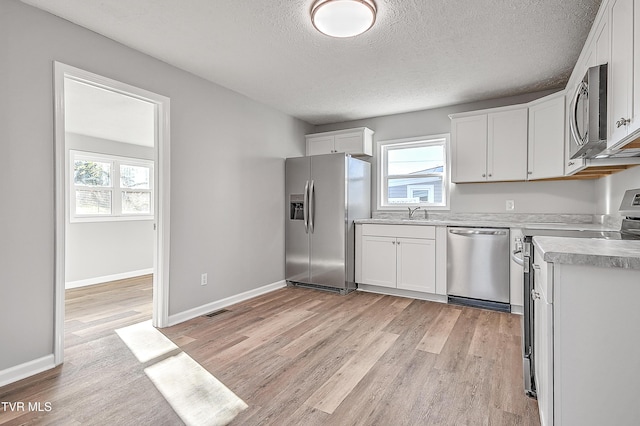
x: 420, y: 54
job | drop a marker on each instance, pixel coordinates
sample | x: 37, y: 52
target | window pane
x: 134, y: 177
x: 93, y: 202
x: 136, y: 202
x: 415, y: 190
x: 410, y: 160
x: 92, y: 173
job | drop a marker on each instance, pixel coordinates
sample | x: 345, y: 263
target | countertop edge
x: 620, y: 254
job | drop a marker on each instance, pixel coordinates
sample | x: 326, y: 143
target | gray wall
x: 611, y: 189
x: 227, y: 176
x: 530, y: 197
x: 100, y: 249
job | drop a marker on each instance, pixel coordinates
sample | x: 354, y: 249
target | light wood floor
x: 295, y: 356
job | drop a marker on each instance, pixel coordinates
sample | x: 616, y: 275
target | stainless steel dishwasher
x: 478, y: 267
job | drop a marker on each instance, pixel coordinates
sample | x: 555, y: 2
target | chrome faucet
x: 412, y: 211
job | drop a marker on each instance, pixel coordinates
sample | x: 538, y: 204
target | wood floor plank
x: 437, y: 335
x: 332, y: 393
x: 483, y: 343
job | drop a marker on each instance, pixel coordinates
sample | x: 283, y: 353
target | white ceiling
x: 420, y: 54
x: 93, y: 111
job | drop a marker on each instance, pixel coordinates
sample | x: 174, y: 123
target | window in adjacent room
x: 413, y: 172
x: 107, y: 187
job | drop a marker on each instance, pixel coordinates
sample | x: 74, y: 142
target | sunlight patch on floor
x: 145, y: 341
x: 195, y: 394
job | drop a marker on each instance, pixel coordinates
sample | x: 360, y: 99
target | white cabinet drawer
x: 401, y: 231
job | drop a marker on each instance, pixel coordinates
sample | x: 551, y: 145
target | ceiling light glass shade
x: 343, y: 18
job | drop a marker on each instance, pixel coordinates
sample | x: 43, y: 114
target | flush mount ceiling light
x: 343, y: 18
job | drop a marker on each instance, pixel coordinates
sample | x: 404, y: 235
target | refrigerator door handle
x: 312, y: 205
x: 305, y: 210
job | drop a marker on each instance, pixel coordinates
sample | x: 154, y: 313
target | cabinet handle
x: 570, y: 163
x: 398, y: 242
x: 490, y: 175
x: 623, y: 122
x: 483, y: 175
x: 535, y: 295
x: 393, y: 242
x: 529, y: 173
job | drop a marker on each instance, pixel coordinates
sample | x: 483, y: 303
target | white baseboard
x: 214, y: 306
x: 403, y: 293
x: 107, y: 278
x: 22, y: 371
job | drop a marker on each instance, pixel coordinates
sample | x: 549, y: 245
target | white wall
x: 611, y: 189
x: 575, y: 197
x: 227, y: 176
x: 96, y: 251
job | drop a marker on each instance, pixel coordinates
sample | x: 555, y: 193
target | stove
x: 629, y: 230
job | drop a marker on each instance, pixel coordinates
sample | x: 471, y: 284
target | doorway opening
x: 112, y: 198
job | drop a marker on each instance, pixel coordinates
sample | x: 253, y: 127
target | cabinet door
x: 635, y: 123
x: 543, y: 347
x: 602, y: 45
x: 620, y: 69
x: 469, y: 148
x: 416, y: 264
x: 351, y: 143
x: 320, y: 145
x: 507, y: 145
x: 379, y: 261
x: 546, y: 139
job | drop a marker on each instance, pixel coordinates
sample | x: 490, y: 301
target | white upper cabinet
x: 490, y: 145
x: 317, y: 145
x: 507, y: 145
x: 621, y: 93
x: 597, y: 52
x: 357, y: 142
x: 546, y: 137
x: 469, y: 148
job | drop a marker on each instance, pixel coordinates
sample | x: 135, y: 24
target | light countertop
x: 489, y: 223
x: 593, y: 252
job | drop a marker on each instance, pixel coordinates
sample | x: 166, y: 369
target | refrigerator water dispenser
x: 296, y: 207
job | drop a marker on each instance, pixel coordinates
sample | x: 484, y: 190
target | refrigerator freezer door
x: 328, y: 216
x: 297, y: 171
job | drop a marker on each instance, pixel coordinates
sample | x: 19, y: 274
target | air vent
x: 215, y: 313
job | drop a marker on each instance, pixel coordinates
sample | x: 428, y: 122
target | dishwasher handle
x: 478, y: 231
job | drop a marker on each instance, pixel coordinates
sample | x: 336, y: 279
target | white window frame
x: 382, y: 149
x: 116, y: 190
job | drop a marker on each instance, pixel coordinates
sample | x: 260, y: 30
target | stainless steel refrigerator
x: 324, y: 194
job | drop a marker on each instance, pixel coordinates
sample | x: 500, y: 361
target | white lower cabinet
x: 416, y: 264
x: 586, y: 349
x: 543, y: 339
x: 397, y: 256
x: 379, y: 261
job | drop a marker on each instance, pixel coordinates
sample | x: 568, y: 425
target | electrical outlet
x: 511, y: 205
x: 203, y: 279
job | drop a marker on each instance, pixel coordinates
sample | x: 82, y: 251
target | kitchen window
x: 106, y: 187
x: 413, y: 172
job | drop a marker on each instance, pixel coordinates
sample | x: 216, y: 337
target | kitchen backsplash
x: 502, y: 217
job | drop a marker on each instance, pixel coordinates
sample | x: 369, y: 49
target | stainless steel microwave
x: 588, y: 114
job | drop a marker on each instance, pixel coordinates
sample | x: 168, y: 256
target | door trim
x: 162, y: 210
